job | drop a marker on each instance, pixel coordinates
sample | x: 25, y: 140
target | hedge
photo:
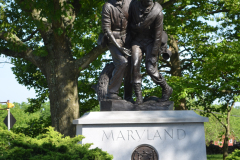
x: 49, y: 146
x: 234, y: 156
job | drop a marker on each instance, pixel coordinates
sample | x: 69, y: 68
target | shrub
x: 234, y: 156
x: 49, y: 146
x: 34, y: 127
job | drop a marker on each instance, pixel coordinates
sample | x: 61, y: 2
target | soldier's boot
x: 129, y: 99
x: 128, y: 94
x: 128, y: 89
x: 166, y: 91
x: 138, y: 93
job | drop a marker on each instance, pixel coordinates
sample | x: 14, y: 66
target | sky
x: 9, y: 87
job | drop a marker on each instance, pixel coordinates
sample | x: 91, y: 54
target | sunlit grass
x: 215, y: 157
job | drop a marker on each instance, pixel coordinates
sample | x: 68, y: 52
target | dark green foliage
x: 30, y: 76
x: 84, y: 34
x: 49, y: 146
x: 29, y: 124
x: 213, y: 130
x: 234, y: 156
x: 87, y: 78
x: 34, y: 126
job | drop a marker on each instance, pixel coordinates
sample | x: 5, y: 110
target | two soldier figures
x: 131, y: 28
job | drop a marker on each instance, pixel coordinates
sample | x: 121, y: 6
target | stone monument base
x: 123, y: 105
x: 155, y: 135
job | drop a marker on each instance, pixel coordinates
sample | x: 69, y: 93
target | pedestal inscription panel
x: 180, y: 137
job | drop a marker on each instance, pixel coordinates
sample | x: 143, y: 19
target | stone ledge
x: 139, y: 117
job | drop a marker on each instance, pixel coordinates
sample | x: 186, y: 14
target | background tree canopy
x: 30, y: 124
x: 53, y: 45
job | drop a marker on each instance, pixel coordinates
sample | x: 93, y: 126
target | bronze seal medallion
x: 145, y: 152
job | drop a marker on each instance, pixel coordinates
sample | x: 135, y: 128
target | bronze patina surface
x: 144, y: 152
x: 132, y: 31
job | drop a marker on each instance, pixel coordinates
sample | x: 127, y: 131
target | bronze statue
x: 115, y: 15
x: 135, y: 25
x: 147, y: 31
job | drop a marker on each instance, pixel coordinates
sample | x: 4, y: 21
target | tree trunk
x: 63, y: 94
x: 226, y: 138
x: 225, y: 146
x: 175, y: 59
x: 176, y: 69
x: 62, y: 78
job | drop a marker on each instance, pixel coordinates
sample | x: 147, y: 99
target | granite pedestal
x: 175, y: 135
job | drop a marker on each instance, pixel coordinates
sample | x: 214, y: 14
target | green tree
x: 188, y: 24
x: 205, y: 57
x: 234, y: 122
x: 214, y: 131
x: 58, y: 38
x: 29, y: 124
x: 218, y: 79
x: 18, y: 112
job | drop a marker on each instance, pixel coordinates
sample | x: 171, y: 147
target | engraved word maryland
x: 127, y: 135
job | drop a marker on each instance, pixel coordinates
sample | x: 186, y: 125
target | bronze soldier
x: 115, y: 27
x: 147, y: 30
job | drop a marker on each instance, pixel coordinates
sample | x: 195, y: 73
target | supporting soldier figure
x: 147, y: 32
x: 115, y: 27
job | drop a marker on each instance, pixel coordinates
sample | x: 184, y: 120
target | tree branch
x: 163, y: 66
x: 30, y: 37
x: 71, y: 12
x: 11, y: 37
x: 186, y: 60
x: 229, y: 91
x: 26, y: 54
x: 23, y: 51
x: 222, y: 75
x: 35, y: 14
x: 164, y: 71
x: 219, y: 11
x: 224, y: 91
x: 83, y: 62
x: 209, y: 111
x: 186, y: 49
x: 181, y: 7
x: 230, y: 109
x: 182, y: 51
x: 186, y: 66
x: 178, y: 10
x: 218, y: 119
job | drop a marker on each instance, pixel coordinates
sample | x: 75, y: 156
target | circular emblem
x: 145, y: 152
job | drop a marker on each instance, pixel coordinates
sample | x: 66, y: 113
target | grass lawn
x: 215, y: 157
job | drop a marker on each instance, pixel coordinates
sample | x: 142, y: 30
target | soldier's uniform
x: 147, y: 30
x: 115, y: 23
